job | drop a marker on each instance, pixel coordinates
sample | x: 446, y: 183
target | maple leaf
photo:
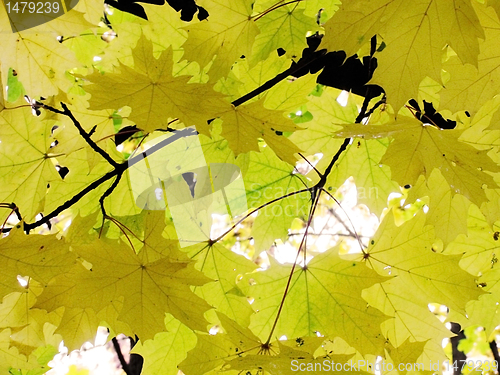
x: 9, y: 356
x: 136, y: 277
x: 149, y: 289
x: 163, y: 21
x: 495, y: 4
x: 485, y: 311
x: 210, y: 352
x: 177, y: 341
x: 25, y: 165
x: 243, y: 125
x: 228, y: 33
x: 479, y: 248
x: 34, y: 54
x: 408, y: 352
x: 327, y: 114
x: 16, y: 312
x: 418, y: 149
x: 470, y: 87
x: 478, y: 245
x: 153, y: 93
x: 293, y: 356
x: 427, y: 276
x: 373, y: 180
x: 37, y: 256
x: 269, y: 178
x: 414, y: 38
x: 224, y: 266
x: 78, y: 322
x: 284, y: 27
x: 80, y: 176
x: 349, y: 315
x: 448, y: 213
x: 289, y: 95
x: 100, y: 123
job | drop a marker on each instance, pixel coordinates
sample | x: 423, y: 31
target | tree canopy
x: 247, y: 184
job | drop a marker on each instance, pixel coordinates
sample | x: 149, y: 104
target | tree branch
x: 114, y: 173
x: 273, y: 81
x: 83, y: 133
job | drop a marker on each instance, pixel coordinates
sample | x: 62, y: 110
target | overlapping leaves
x: 127, y: 270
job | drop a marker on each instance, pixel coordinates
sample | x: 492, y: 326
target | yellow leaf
x: 9, y: 356
x: 286, y: 27
x: 149, y: 289
x: 469, y: 88
x: 447, y: 211
x: 78, y: 325
x: 311, y: 294
x: 419, y: 148
x: 243, y: 125
x: 37, y: 56
x: 211, y: 351
x: 414, y: 36
x: 38, y: 256
x: 423, y: 276
x: 153, y: 93
x: 25, y: 166
x: 227, y: 34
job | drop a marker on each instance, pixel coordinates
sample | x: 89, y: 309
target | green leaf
x: 349, y: 316
x: 225, y: 267
x: 285, y: 26
x: 267, y: 179
x: 14, y: 88
x: 373, y: 180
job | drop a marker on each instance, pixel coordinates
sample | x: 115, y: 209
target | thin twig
x: 108, y: 192
x: 310, y: 164
x: 362, y: 247
x: 289, y: 281
x: 315, y: 194
x: 254, y: 211
x: 274, y: 7
x: 83, y: 133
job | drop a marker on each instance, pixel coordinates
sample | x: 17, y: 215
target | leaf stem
x: 14, y: 209
x: 274, y: 7
x: 255, y: 210
x: 353, y: 233
x: 289, y: 281
x: 315, y: 194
